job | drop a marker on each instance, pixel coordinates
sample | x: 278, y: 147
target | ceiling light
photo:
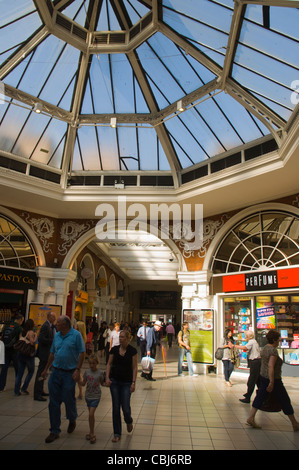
x: 38, y: 108
x: 113, y: 122
x: 180, y: 106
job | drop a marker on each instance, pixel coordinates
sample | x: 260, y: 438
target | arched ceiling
x: 182, y: 81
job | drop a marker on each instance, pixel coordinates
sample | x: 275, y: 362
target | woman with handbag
x: 270, y: 382
x: 228, y: 359
x: 26, y: 351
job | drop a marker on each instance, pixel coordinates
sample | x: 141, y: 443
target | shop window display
x: 238, y: 317
x: 280, y: 313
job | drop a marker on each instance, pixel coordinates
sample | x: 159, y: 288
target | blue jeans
x: 23, y: 362
x: 61, y: 390
x: 182, y: 353
x: 121, y: 396
x: 228, y: 369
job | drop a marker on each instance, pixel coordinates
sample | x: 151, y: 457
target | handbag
x: 24, y: 347
x: 219, y: 354
x: 270, y: 404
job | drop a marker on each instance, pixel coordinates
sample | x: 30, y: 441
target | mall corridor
x: 172, y: 413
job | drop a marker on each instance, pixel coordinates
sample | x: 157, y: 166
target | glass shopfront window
x: 280, y: 312
x: 238, y: 318
x: 262, y: 313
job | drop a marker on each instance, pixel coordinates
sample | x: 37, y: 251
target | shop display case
x: 238, y: 318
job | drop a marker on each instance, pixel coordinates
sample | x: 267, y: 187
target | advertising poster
x: 38, y: 313
x: 265, y: 315
x: 201, y: 326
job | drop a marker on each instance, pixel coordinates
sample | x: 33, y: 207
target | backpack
x: 9, y: 336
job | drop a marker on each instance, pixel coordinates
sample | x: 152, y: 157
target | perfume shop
x: 261, y: 301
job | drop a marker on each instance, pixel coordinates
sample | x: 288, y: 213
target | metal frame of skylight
x: 251, y: 104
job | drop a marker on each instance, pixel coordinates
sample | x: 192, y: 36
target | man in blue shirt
x: 66, y: 358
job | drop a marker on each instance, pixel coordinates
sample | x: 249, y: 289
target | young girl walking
x: 93, y: 378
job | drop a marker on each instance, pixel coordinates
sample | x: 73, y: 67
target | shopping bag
x: 147, y: 364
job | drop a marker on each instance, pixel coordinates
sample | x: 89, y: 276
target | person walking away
x: 94, y: 328
x: 10, y: 336
x: 66, y: 355
x: 270, y: 382
x: 93, y: 378
x: 121, y: 374
x: 153, y: 341
x: 24, y: 361
x: 170, y: 331
x: 101, y: 339
x: 185, y: 350
x: 45, y: 340
x: 227, y: 343
x: 108, y: 340
x: 254, y: 362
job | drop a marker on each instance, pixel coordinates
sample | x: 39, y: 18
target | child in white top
x: 93, y: 378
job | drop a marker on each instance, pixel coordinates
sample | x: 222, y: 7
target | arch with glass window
x: 266, y: 239
x: 16, y: 248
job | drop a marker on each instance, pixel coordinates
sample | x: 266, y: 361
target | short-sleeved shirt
x: 185, y: 337
x: 121, y: 368
x: 93, y: 383
x: 266, y: 352
x: 114, y: 338
x: 67, y: 349
x: 253, y: 349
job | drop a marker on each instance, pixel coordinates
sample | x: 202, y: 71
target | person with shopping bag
x: 151, y: 346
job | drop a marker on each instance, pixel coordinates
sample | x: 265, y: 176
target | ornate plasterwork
x: 210, y: 228
x: 43, y: 229
x: 70, y: 232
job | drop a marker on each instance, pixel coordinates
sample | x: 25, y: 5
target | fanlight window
x: 16, y: 250
x: 265, y: 240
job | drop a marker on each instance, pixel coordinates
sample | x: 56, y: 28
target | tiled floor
x: 173, y: 413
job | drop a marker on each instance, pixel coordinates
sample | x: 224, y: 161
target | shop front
x: 14, y: 287
x: 260, y: 301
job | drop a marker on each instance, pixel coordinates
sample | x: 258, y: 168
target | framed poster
x: 201, y: 326
x: 38, y: 313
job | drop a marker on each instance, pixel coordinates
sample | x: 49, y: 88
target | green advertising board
x: 201, y: 326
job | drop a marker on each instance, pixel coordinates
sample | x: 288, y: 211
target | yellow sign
x: 89, y: 309
x: 82, y: 297
x: 38, y: 313
x: 102, y: 282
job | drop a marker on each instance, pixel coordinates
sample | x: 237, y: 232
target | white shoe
x: 194, y: 375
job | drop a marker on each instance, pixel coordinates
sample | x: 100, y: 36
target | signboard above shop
x: 261, y: 280
x: 17, y: 279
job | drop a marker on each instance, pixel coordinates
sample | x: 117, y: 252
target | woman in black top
x: 121, y: 373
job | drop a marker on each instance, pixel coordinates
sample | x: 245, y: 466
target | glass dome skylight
x: 182, y: 81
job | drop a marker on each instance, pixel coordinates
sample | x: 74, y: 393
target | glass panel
x: 261, y: 241
x: 18, y: 21
x: 15, y: 250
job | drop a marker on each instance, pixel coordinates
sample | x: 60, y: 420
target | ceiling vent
x: 71, y: 27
